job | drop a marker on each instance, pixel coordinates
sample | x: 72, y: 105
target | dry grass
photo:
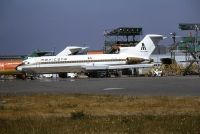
x: 63, y: 105
x: 95, y: 114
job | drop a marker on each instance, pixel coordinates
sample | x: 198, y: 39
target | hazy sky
x: 27, y: 25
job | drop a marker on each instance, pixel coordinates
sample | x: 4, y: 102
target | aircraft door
x: 37, y: 66
x: 89, y: 63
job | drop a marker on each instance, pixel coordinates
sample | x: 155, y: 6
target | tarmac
x: 131, y: 86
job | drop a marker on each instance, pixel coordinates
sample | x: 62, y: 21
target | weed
x: 78, y: 115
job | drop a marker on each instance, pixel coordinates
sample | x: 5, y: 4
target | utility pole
x: 173, y: 47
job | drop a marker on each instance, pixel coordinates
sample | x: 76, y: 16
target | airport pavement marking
x: 109, y: 89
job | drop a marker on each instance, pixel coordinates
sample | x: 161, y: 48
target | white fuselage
x: 73, y: 63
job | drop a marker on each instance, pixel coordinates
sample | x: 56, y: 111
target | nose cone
x: 19, y: 68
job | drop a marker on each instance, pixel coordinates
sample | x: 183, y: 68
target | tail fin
x: 145, y: 47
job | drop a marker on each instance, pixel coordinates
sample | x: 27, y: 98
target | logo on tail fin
x: 143, y: 47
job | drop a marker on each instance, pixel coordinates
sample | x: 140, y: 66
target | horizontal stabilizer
x: 71, y: 50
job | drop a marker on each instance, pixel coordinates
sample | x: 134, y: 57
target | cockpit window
x: 26, y: 62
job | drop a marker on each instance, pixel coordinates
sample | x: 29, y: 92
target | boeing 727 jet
x: 127, y: 57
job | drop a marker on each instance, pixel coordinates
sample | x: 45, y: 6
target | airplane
x: 127, y: 57
x: 7, y: 66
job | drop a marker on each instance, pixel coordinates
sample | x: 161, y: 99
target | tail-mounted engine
x: 133, y: 60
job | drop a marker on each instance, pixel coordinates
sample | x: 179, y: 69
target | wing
x: 114, y: 67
